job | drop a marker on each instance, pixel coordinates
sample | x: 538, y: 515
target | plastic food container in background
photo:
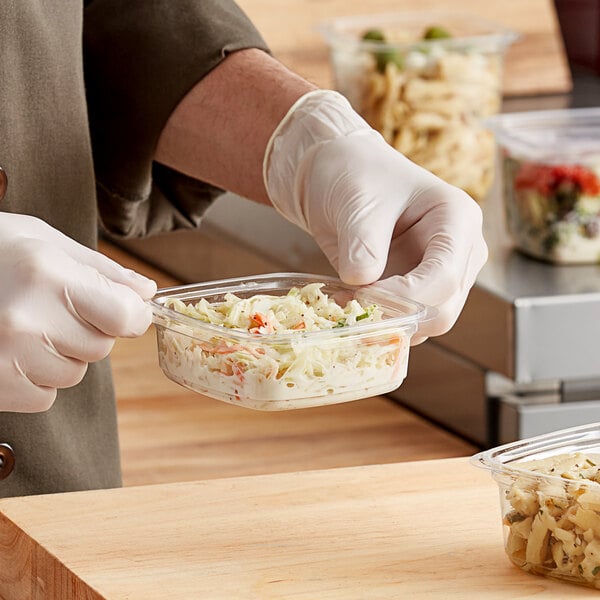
x: 267, y: 370
x: 550, y: 502
x: 425, y: 80
x: 552, y: 182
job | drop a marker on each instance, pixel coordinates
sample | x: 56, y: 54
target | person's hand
x: 61, y: 307
x: 372, y: 211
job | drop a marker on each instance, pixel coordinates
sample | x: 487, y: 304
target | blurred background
x: 524, y: 357
x: 580, y: 26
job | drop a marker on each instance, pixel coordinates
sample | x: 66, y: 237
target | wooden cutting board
x: 536, y: 64
x: 415, y: 530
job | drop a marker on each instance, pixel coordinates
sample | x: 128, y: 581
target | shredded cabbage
x: 266, y: 368
x: 301, y: 309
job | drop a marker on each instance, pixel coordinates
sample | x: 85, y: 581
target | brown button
x: 7, y: 460
x: 3, y: 183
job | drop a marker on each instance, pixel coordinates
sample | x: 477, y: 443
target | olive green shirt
x: 84, y: 94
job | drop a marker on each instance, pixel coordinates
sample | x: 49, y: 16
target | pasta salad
x: 427, y: 100
x: 553, y: 523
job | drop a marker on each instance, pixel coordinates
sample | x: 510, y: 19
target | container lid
x: 550, y: 136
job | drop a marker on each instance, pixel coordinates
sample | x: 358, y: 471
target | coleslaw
x: 274, y: 352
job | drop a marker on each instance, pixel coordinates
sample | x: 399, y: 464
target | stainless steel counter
x: 526, y: 319
x: 524, y: 356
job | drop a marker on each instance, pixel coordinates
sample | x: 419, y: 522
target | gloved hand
x: 61, y: 307
x: 372, y: 211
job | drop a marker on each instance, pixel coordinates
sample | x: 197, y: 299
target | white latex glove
x: 61, y: 307
x: 372, y: 211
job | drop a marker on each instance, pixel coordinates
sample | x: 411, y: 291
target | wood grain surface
x: 535, y: 64
x: 428, y: 529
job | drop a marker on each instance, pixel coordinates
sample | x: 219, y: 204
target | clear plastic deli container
x: 425, y: 80
x: 282, y: 341
x: 550, y: 502
x: 551, y: 182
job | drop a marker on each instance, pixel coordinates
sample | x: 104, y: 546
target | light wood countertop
x: 417, y: 530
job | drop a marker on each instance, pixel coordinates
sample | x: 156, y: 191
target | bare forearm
x: 219, y: 131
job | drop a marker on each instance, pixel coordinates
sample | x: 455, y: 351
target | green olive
x: 388, y: 56
x: 373, y: 35
x: 383, y: 57
x: 436, y: 33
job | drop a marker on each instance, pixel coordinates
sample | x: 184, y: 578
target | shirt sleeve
x: 140, y: 59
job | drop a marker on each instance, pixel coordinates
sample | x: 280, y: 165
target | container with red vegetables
x: 552, y: 182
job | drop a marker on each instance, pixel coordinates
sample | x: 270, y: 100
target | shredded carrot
x: 238, y: 371
x: 259, y: 319
x: 223, y: 348
x: 262, y: 324
x: 382, y: 341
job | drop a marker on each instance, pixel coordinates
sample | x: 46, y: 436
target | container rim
x: 517, y: 131
x: 421, y: 313
x: 336, y: 30
x: 499, y: 459
x: 508, y: 122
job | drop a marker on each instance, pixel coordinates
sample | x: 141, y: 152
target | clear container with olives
x: 425, y: 81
